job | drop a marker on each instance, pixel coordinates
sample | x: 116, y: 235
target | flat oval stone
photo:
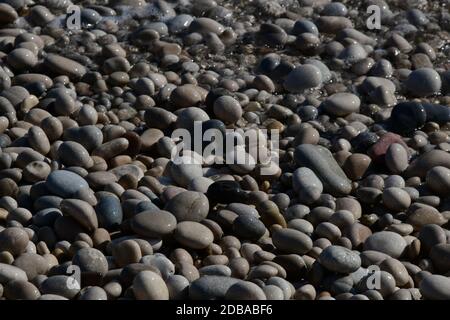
x: 349, y: 204
x: 28, y: 78
x: 329, y: 24
x: 154, y: 223
x: 303, y: 77
x: 356, y: 165
x: 38, y: 140
x: 353, y: 53
x: 193, y: 235
x: 301, y: 225
x: 396, y: 158
x: 81, y: 211
x: 371, y: 257
x: 32, y: 263
x: 184, y: 173
x: 22, y: 59
x: 326, y: 74
x: 188, y: 116
x: 16, y: 95
x: 89, y: 137
x: 126, y: 252
x: 227, y: 109
x: 341, y: 104
x: 65, y: 183
x: 160, y: 262
x: 109, y: 211
x: 387, y: 242
x: 396, y: 199
x: 340, y: 259
x: 185, y: 96
x: 13, y: 240
x: 425, y: 215
x: 307, y: 135
x: 150, y: 137
x: 206, y: 25
x: 100, y: 179
x: 248, y: 226
x: 11, y: 273
x: 334, y: 9
x: 178, y: 287
x: 111, y: 148
x: 72, y: 153
x: 64, y: 66
x: 91, y: 261
x: 189, y: 206
x: 150, y: 286
x: 241, y: 208
x: 322, y: 163
x: 397, y: 270
x: 215, y: 270
x: 304, y: 26
x: 307, y: 185
x: 270, y: 213
x: 60, y: 285
x: 292, y: 241
x: 21, y: 290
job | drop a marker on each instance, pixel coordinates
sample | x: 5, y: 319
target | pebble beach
x: 331, y: 176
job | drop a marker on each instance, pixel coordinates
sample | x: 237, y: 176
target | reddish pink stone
x: 378, y: 150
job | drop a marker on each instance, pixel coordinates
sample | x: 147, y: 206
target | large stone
x: 64, y: 66
x: 292, y: 241
x: 307, y: 185
x: 10, y: 273
x: 387, y: 242
x: 321, y: 161
x: 154, y: 223
x: 148, y: 285
x: 65, y: 183
x: 340, y: 259
x: 341, y: 104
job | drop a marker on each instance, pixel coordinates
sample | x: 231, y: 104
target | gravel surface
x: 335, y: 184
